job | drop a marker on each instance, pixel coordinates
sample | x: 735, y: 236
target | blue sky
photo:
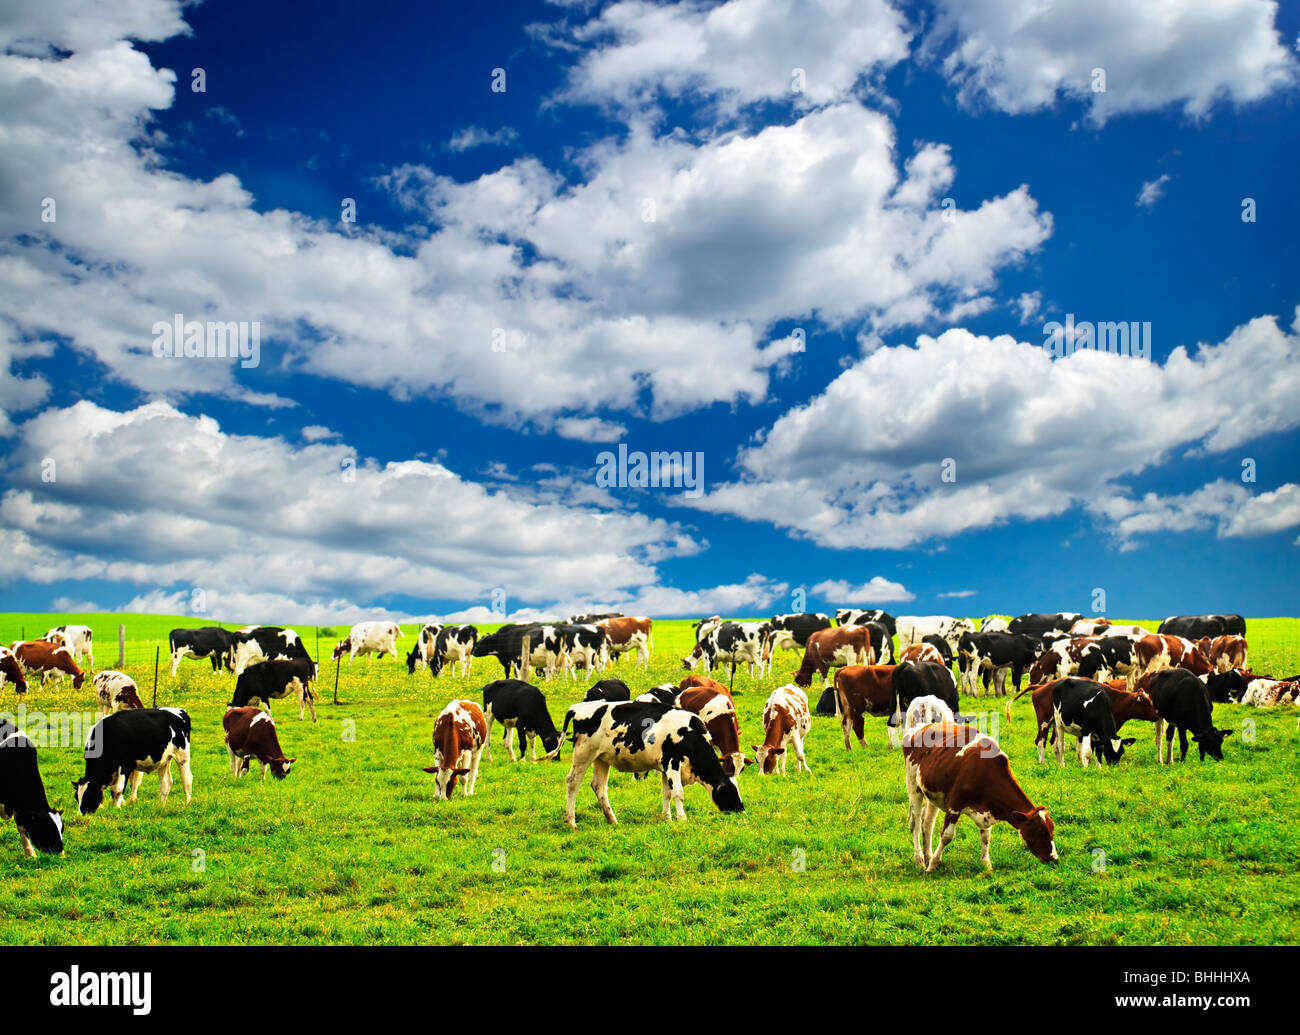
x: 659, y: 197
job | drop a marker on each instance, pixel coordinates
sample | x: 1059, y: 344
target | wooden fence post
x: 337, y: 662
x: 155, y: 675
x: 121, y: 646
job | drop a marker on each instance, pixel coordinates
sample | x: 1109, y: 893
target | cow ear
x: 1226, y: 733
x: 778, y: 751
x: 291, y: 759
x: 430, y: 769
x: 1127, y: 741
x: 1019, y: 819
x: 460, y: 772
x: 754, y: 748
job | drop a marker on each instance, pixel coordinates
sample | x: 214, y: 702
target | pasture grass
x: 352, y: 849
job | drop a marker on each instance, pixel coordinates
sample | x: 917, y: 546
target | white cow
x: 913, y: 629
x: 77, y: 638
x: 369, y: 638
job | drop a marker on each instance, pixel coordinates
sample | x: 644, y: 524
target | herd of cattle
x: 1087, y: 678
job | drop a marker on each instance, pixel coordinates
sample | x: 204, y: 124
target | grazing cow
x: 521, y: 707
x: 695, y: 679
x: 735, y: 643
x: 116, y: 692
x: 78, y: 640
x: 835, y: 647
x: 918, y: 679
x: 994, y: 624
x: 665, y: 694
x: 424, y: 644
x: 1038, y: 624
x: 920, y: 652
x: 785, y: 721
x: 49, y: 660
x: 609, y: 690
x: 11, y: 671
x: 1226, y: 687
x: 863, y: 690
x: 271, y: 680
x: 1224, y: 653
x: 22, y: 794
x: 718, y: 714
x: 378, y: 638
x: 211, y: 642
x: 1081, y: 708
x: 581, y: 646
x: 960, y: 770
x: 1193, y: 627
x: 453, y: 645
x: 122, y: 747
x: 459, y: 735
x: 791, y: 632
x: 847, y: 616
x: 506, y: 645
x: 914, y: 629
x: 925, y: 710
x: 636, y: 737
x: 250, y: 733
x: 941, y: 645
x: 1183, y: 704
x: 1080, y: 657
x: 262, y: 643
x: 993, y: 654
x: 628, y: 634
x: 1156, y: 653
x: 548, y: 652
x: 1267, y: 693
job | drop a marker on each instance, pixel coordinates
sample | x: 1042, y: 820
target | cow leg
x: 798, y: 753
x: 136, y: 778
x: 1060, y: 744
x: 1169, y: 742
x: 916, y: 809
x: 532, y: 742
x: 674, y: 779
x: 27, y: 845
x: 581, y: 760
x: 600, y: 784
x: 846, y: 722
x: 1085, y: 749
x: 510, y: 747
x: 234, y: 760
x: 949, y: 829
x: 311, y: 703
x: 474, y: 757
x: 487, y: 743
x: 1182, y: 744
x: 986, y: 833
x: 175, y: 661
x: 164, y: 782
x: 1160, y: 752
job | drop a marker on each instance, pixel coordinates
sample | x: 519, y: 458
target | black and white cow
x: 592, y: 619
x: 577, y: 646
x: 1183, y: 704
x: 993, y: 655
x: 1081, y: 708
x: 521, y: 707
x: 791, y: 632
x: 1193, y: 627
x: 734, y: 643
x: 424, y: 644
x: 77, y: 638
x: 665, y: 694
x: 609, y: 690
x: 1225, y: 687
x: 853, y: 616
x: 22, y: 794
x: 994, y: 624
x: 122, y: 747
x: 636, y: 737
x: 915, y: 679
x: 454, y: 644
x: 1040, y: 623
x: 210, y: 642
x: 272, y: 680
x: 915, y: 628
x: 261, y: 643
x: 378, y: 638
x: 939, y: 644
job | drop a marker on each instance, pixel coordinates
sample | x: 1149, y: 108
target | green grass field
x: 352, y: 848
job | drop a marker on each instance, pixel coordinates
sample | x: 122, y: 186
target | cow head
x: 280, y: 766
x: 1112, y: 750
x: 413, y: 659
x: 552, y: 742
x: 734, y: 764
x: 726, y: 796
x: 1037, y: 831
x: 344, y: 645
x: 89, y: 795
x: 766, y: 758
x: 1211, y: 742
x: 44, y: 829
x: 444, y: 780
x: 693, y: 658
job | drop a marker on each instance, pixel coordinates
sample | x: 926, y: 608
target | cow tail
x: 1016, y: 698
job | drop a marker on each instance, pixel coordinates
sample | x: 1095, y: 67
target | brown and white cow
x: 695, y: 679
x: 11, y: 671
x: 960, y: 770
x: 116, y: 692
x: 629, y: 634
x: 1157, y: 653
x: 250, y: 733
x: 863, y: 690
x: 785, y: 721
x: 1224, y: 653
x: 921, y: 652
x: 1079, y: 656
x: 1268, y: 693
x: 718, y: 713
x: 835, y: 647
x: 50, y: 660
x: 459, y: 735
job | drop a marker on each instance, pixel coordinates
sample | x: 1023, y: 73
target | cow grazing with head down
x: 454, y: 645
x: 77, y: 638
x: 785, y: 721
x: 1226, y: 687
x: 22, y: 794
x: 116, y: 692
x: 863, y: 690
x: 423, y: 649
x: 520, y: 707
x: 260, y: 643
x: 122, y: 747
x: 638, y: 737
x: 959, y: 770
x: 272, y: 680
x: 791, y: 632
x: 1183, y: 705
x: 1081, y: 708
x: 211, y: 642
x: 250, y: 734
x: 459, y: 735
x: 377, y: 638
x: 718, y: 714
x: 48, y: 660
x: 834, y: 648
x: 733, y: 643
x: 11, y: 671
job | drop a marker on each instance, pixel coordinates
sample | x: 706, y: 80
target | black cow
x: 939, y: 644
x: 1117, y: 653
x: 828, y: 703
x: 665, y: 694
x: 507, y: 646
x: 266, y: 643
x: 881, y: 641
x: 124, y: 746
x: 22, y: 794
x: 1184, y: 704
x: 791, y: 632
x: 454, y: 643
x: 991, y: 655
x: 1082, y: 709
x: 272, y: 680
x: 851, y: 616
x: 913, y: 679
x: 1193, y: 627
x: 521, y: 707
x: 609, y: 690
x: 1038, y: 624
x: 211, y: 642
x: 1226, y: 687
